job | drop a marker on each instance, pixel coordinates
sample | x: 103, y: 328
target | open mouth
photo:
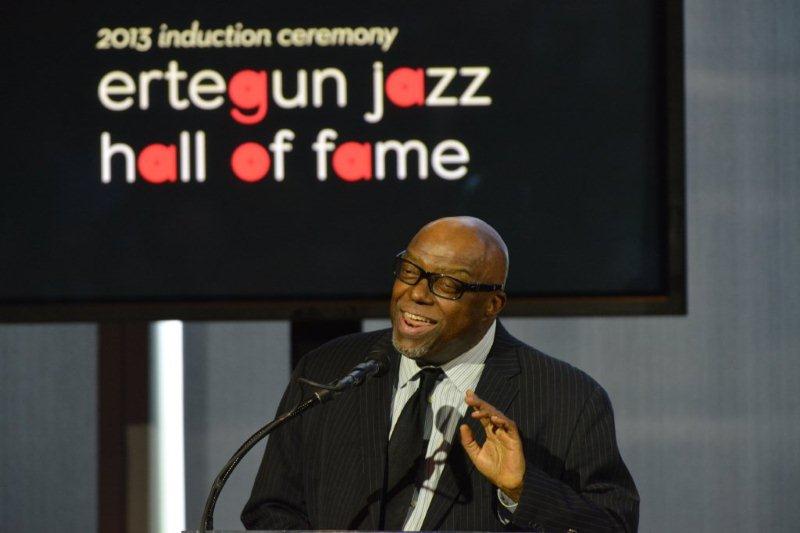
x: 413, y: 324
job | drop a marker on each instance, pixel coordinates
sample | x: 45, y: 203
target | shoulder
x: 341, y: 354
x: 549, y: 375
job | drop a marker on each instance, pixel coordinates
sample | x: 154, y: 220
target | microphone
x: 376, y: 365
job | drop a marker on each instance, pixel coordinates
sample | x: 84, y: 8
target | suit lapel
x: 497, y: 386
x: 374, y: 412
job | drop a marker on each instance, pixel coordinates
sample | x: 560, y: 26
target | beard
x: 416, y: 352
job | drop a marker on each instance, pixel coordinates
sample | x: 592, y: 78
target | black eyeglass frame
x: 432, y: 277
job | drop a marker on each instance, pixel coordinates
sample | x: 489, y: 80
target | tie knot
x: 431, y: 372
x: 428, y: 376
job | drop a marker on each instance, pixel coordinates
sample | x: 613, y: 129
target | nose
x: 421, y: 292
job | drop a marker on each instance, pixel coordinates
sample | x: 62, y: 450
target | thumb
x: 469, y: 443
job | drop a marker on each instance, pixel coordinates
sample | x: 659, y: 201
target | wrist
x: 513, y: 493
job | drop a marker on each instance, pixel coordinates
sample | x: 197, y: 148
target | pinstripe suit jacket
x: 325, y: 470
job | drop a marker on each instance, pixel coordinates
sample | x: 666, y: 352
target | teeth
x: 418, y: 318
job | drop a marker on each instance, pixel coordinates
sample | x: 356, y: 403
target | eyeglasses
x: 441, y: 285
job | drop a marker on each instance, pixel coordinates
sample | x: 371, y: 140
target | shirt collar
x: 459, y: 370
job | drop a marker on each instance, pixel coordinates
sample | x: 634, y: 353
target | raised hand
x: 501, y: 458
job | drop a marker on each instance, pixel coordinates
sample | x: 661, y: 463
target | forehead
x: 444, y: 255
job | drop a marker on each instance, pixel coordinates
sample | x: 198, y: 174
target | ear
x: 495, y: 304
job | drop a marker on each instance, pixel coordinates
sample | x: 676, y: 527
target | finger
x: 482, y: 408
x: 479, y: 404
x: 507, y: 431
x: 485, y: 421
x: 469, y: 443
x: 484, y: 416
x: 489, y: 428
x: 481, y: 413
x: 503, y: 422
x: 472, y: 399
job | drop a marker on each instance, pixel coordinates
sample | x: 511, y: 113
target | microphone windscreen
x: 379, y: 353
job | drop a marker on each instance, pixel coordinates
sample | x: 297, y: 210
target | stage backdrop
x: 212, y: 154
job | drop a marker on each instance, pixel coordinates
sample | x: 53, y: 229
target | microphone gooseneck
x: 376, y: 364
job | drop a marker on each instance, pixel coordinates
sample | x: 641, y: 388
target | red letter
x: 250, y: 162
x: 158, y: 163
x: 247, y: 90
x: 352, y: 161
x: 405, y: 87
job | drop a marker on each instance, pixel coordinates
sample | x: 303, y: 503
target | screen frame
x: 672, y: 302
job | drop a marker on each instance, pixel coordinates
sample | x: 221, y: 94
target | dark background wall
x: 707, y: 404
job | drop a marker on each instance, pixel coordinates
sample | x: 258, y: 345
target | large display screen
x: 277, y: 155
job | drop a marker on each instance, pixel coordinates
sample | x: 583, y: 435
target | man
x: 536, y: 451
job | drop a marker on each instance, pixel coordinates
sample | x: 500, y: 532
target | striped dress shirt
x: 447, y: 408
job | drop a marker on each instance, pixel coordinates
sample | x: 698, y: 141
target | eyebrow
x: 409, y: 255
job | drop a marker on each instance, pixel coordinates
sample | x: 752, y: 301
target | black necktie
x: 407, y: 447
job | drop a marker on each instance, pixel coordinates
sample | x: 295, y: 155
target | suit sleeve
x: 596, y: 492
x: 277, y: 500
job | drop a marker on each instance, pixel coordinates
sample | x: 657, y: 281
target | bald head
x: 432, y: 327
x: 471, y: 239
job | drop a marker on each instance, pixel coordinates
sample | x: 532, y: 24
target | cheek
x: 451, y: 321
x: 398, y: 290
x: 459, y: 320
